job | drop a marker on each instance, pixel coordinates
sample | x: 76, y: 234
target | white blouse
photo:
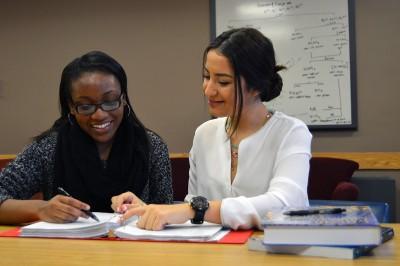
x: 272, y: 170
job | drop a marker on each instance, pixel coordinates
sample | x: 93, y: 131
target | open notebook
x: 88, y: 228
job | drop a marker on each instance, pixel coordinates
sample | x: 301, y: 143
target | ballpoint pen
x: 88, y: 213
x: 314, y: 211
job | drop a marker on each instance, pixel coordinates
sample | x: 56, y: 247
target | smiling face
x: 219, y: 86
x: 97, y: 88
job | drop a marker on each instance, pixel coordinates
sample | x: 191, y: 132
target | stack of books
x: 327, y: 231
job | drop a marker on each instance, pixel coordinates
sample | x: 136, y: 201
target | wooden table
x: 30, y: 251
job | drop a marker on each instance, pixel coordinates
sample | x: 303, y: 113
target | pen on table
x: 315, y: 211
x: 88, y: 213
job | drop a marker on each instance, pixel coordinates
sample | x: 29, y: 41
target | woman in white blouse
x: 248, y: 160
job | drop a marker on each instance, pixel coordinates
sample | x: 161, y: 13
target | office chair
x: 330, y: 179
x: 180, y: 177
x: 4, y: 162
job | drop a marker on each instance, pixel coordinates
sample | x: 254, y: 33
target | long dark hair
x: 252, y: 57
x: 97, y: 61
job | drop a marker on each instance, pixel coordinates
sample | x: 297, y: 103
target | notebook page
x: 186, y: 231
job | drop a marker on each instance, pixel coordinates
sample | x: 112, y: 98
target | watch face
x: 199, y: 203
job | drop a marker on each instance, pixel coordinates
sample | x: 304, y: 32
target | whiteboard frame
x: 352, y: 54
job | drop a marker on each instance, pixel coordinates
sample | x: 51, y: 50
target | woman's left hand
x: 122, y: 202
x: 155, y: 217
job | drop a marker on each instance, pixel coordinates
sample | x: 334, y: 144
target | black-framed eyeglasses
x: 107, y: 106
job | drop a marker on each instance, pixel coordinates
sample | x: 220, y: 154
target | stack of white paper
x: 81, y: 228
x: 176, y: 232
x: 87, y: 228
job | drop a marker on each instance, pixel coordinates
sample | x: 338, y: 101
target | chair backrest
x: 378, y: 188
x: 180, y: 177
x: 4, y: 162
x: 380, y: 209
x: 326, y: 174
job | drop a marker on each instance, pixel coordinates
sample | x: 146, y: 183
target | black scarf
x: 79, y: 170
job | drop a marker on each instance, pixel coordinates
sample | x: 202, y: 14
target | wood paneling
x: 366, y: 160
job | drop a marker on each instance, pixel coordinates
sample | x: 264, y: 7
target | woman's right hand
x: 122, y: 202
x: 62, y: 209
x: 156, y: 216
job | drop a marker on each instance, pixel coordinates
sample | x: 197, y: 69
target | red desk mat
x: 233, y: 237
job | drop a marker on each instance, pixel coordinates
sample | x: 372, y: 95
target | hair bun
x: 276, y: 84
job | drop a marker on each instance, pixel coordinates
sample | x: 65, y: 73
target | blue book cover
x: 322, y: 225
x: 322, y: 216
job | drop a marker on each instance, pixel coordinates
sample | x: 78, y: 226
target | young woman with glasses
x: 97, y: 149
x: 249, y: 159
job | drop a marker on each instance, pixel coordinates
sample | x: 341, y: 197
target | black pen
x: 315, y: 211
x: 88, y: 213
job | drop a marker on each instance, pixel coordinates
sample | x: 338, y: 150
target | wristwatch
x: 200, y: 205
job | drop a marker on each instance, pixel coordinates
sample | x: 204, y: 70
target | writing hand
x: 121, y: 202
x: 62, y: 209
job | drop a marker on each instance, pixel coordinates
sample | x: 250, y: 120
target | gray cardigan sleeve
x: 30, y: 172
x: 160, y: 181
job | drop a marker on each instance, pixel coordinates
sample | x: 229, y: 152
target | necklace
x: 234, y: 151
x: 234, y: 160
x: 235, y: 147
x: 268, y: 116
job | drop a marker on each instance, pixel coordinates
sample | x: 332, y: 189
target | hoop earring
x: 70, y: 119
x: 129, y: 111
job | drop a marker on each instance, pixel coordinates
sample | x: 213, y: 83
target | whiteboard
x: 314, y: 39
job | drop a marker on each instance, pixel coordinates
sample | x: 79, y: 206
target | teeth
x: 102, y: 125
